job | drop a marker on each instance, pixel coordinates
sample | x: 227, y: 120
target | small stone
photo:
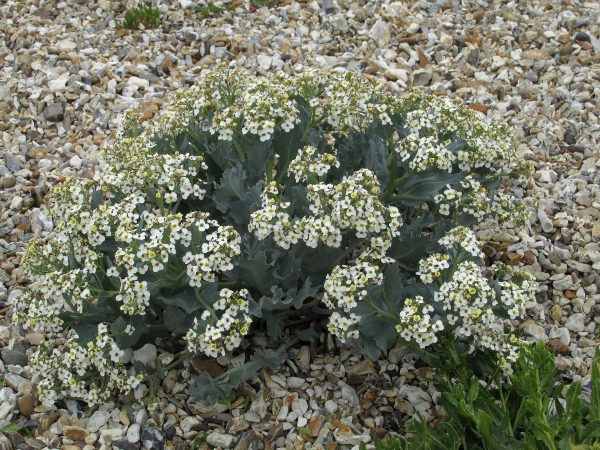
x: 152, y: 439
x: 421, y: 77
x: 59, y: 84
x: 535, y: 331
x: 146, y: 355
x: 124, y: 444
x: 7, y: 406
x: 133, y: 433
x: 380, y: 32
x: 364, y: 367
x: 556, y: 313
x: 123, y: 418
x: 396, y: 74
x: 75, y: 162
x: 349, y: 395
x: 417, y: 397
x: 139, y: 83
x: 331, y: 406
x: 535, y: 54
x: 237, y: 425
x: 54, y: 112
x: 14, y: 357
x: 575, y: 323
x: 295, y: 382
x: 9, y: 181
x: 15, y: 381
x: 582, y: 37
x: 264, y: 62
x: 315, y: 424
x: 252, y: 416
x: 303, y: 358
x: 47, y: 419
x: 16, y: 204
x: 66, y: 46
x: 97, y: 421
x: 75, y: 433
x: 558, y: 347
x: 220, y: 440
x: 206, y: 365
x: 26, y: 404
x: 413, y: 28
x: 340, y: 23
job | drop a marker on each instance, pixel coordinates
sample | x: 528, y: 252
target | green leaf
x: 97, y: 199
x: 86, y: 332
x: 375, y: 160
x: 185, y: 300
x: 473, y: 391
x: 255, y: 268
x: 305, y: 431
x: 307, y: 335
x: 378, y: 329
x: 14, y: 428
x: 241, y: 211
x: 595, y: 397
x: 231, y: 188
x: 427, y: 184
x: 175, y: 319
x: 208, y: 388
x: 258, y: 155
x: 199, y: 439
x: 409, y: 249
x: 269, y: 358
x: 484, y: 424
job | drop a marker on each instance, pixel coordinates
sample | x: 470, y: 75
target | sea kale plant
x: 258, y: 199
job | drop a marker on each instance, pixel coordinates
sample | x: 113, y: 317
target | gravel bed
x: 67, y: 72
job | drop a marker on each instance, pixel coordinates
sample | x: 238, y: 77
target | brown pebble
x: 558, y: 347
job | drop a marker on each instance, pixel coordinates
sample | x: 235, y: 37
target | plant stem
x: 174, y: 364
x: 348, y: 251
x: 381, y: 311
x: 205, y: 305
x: 393, y: 185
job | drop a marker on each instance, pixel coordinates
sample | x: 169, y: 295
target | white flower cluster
x: 345, y: 285
x: 238, y: 104
x: 468, y: 298
x: 515, y: 295
x: 465, y: 238
x: 472, y: 199
x: 432, y: 267
x: 305, y: 164
x: 353, y: 204
x: 215, y: 253
x: 224, y: 333
x: 416, y: 323
x: 435, y: 122
x: 506, y: 209
x: 71, y: 366
x: 338, y: 326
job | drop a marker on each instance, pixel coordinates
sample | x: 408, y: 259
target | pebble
x: 575, y: 322
x: 133, y: 433
x: 152, y: 439
x: 98, y: 420
x: 220, y: 440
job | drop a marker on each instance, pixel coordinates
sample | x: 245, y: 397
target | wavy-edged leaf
x: 231, y: 188
x: 409, y: 249
x: 427, y: 184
